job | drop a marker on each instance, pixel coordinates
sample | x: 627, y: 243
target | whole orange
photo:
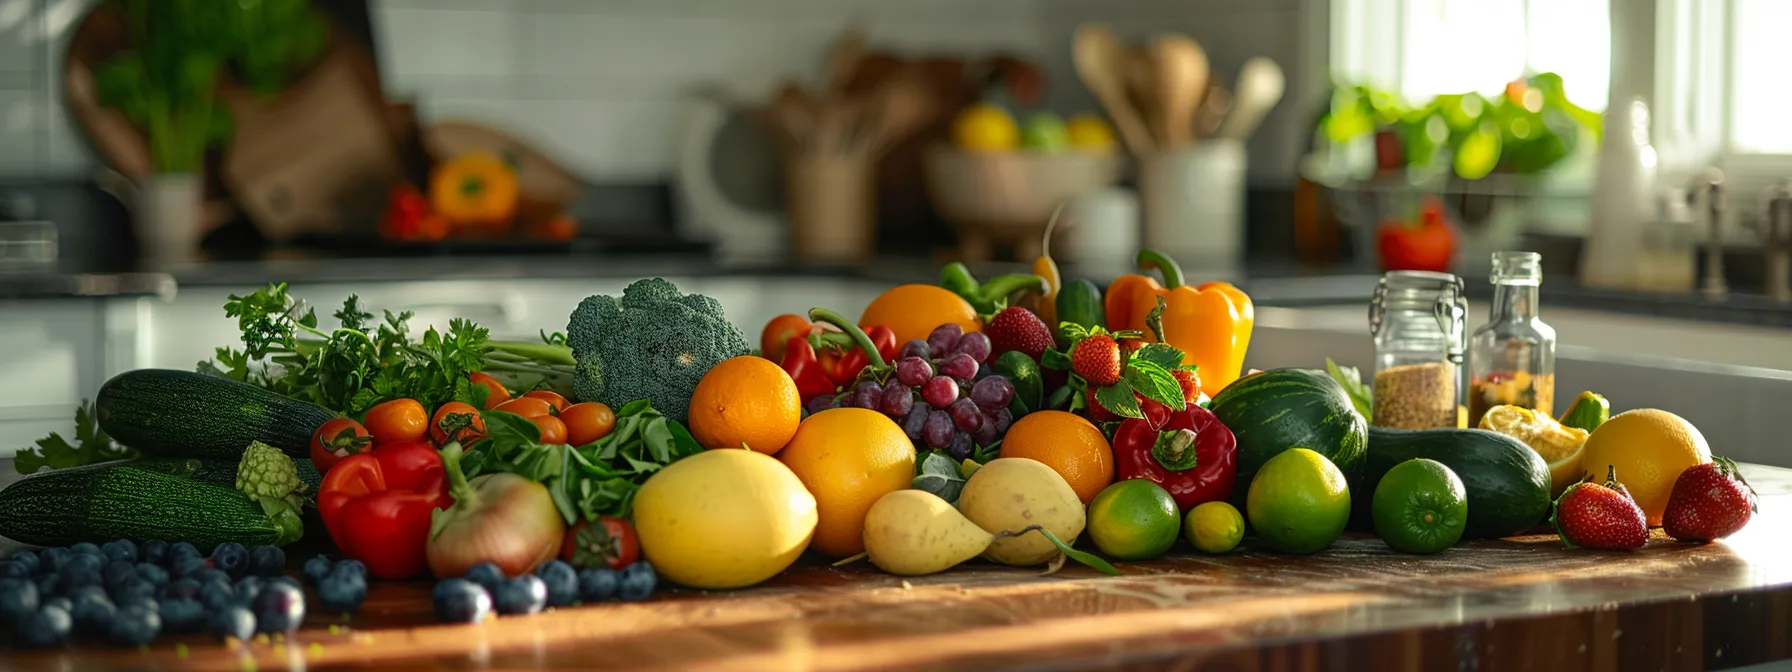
x: 1067, y: 443
x: 747, y: 401
x: 848, y: 458
x: 912, y: 311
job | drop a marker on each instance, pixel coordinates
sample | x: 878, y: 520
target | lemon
x: 1214, y: 527
x: 1087, y: 131
x: 1649, y: 448
x: 985, y: 128
x: 1560, y: 445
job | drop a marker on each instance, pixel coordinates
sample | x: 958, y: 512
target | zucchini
x: 125, y: 500
x: 1507, y: 482
x: 222, y: 472
x: 1079, y: 301
x: 184, y: 414
x: 1029, y: 384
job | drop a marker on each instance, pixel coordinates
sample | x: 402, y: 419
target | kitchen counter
x: 16, y: 285
x: 1517, y: 603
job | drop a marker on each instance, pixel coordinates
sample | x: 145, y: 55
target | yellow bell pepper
x: 1210, y: 323
x: 476, y: 189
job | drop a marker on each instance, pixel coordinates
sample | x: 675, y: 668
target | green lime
x: 1298, y: 502
x: 1214, y: 527
x: 1134, y: 520
x: 1420, y: 507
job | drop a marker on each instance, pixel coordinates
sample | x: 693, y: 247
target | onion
x: 499, y: 518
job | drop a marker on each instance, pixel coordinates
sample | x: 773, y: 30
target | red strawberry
x: 1591, y: 515
x: 1018, y: 329
x: 1097, y: 360
x: 1709, y: 501
x: 1189, y: 382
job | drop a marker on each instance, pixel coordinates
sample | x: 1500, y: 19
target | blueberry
x: 52, y: 559
x: 279, y: 608
x: 15, y: 570
x: 117, y: 572
x: 84, y: 548
x: 231, y: 623
x: 461, y: 601
x: 182, y: 616
x: 153, y: 551
x: 284, y: 580
x: 91, y: 609
x: 217, y: 595
x: 68, y: 581
x: 637, y: 582
x: 317, y: 568
x: 47, y: 584
x: 179, y: 589
x: 562, y: 582
x: 187, y: 567
x: 120, y: 550
x: 135, y: 625
x: 210, y: 575
x: 267, y: 561
x: 82, y: 563
x: 597, y: 585
x: 248, y: 588
x: 48, y: 626
x: 62, y: 603
x: 134, y: 591
x: 152, y: 573
x: 488, y: 576
x: 232, y: 558
x: 179, y: 551
x: 30, y: 561
x: 18, y: 599
x: 350, y: 565
x: 342, y: 591
x: 526, y: 594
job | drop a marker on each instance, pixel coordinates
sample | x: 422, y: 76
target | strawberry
x: 1097, y: 360
x: 1591, y: 515
x: 1018, y: 329
x: 1709, y: 501
x: 1189, y: 382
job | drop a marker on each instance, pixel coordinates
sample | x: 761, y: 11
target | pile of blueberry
x: 472, y: 599
x: 129, y: 594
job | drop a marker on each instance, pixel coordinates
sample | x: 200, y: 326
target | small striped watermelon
x: 1280, y: 409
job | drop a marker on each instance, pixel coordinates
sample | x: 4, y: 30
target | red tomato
x: 552, y: 429
x: 398, y: 420
x: 587, y: 422
x: 553, y: 398
x: 497, y: 394
x: 473, y: 430
x: 778, y: 332
x: 528, y: 407
x: 609, y: 542
x: 337, y: 439
x: 1427, y: 245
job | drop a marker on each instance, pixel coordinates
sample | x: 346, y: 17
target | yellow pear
x: 914, y: 532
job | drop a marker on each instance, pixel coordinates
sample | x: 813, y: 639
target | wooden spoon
x: 1100, y: 64
x: 1181, y: 67
x: 1213, y: 110
x: 1260, y: 84
x: 1141, y: 87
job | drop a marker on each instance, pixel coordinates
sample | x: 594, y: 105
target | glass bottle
x: 1512, y: 358
x: 1417, y: 321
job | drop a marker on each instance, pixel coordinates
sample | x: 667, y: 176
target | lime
x: 1420, y: 507
x: 1214, y: 527
x: 1298, y: 502
x: 1134, y: 520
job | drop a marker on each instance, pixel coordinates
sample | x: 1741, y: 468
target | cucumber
x: 1507, y: 482
x: 123, y: 500
x: 184, y: 414
x: 1079, y: 301
x: 1029, y: 384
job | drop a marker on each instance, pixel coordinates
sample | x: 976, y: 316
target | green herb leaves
x: 939, y: 475
x: 1352, y: 381
x: 91, y: 446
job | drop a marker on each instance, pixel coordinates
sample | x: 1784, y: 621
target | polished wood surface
x: 1520, y: 603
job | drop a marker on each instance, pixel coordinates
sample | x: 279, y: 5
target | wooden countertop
x: 1516, y: 603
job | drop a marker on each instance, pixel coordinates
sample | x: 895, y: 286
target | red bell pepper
x: 377, y: 506
x: 805, y: 368
x: 1193, y: 456
x: 843, y: 361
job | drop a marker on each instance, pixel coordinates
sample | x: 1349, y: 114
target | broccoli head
x: 651, y: 343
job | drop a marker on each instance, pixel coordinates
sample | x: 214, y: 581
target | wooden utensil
x: 899, y: 108
x: 1260, y: 85
x: 1213, y: 111
x: 1141, y: 85
x: 1100, y: 63
x: 793, y: 112
x: 1181, y: 68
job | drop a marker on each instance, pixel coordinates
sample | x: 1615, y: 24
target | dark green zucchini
x: 1506, y: 481
x: 124, y: 500
x: 222, y: 472
x: 184, y: 414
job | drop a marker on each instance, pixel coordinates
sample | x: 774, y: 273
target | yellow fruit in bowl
x: 1087, y: 131
x: 985, y: 128
x: 723, y: 519
x: 1649, y: 447
x: 849, y: 458
x: 1562, y: 447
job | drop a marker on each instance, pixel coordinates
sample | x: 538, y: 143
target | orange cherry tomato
x: 474, y: 430
x: 587, y: 422
x: 778, y: 332
x: 528, y: 407
x: 497, y: 394
x: 552, y: 429
x: 553, y: 398
x: 397, y: 420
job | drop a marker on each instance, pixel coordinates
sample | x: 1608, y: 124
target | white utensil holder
x: 1193, y: 203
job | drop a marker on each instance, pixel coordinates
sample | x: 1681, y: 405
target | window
x: 1760, y: 92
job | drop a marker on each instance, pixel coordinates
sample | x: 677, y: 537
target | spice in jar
x: 1416, y: 396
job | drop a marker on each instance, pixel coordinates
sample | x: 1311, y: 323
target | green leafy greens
x: 91, y: 446
x: 1351, y: 380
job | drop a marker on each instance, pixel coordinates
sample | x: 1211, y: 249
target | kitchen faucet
x: 1712, y: 183
x: 1776, y: 241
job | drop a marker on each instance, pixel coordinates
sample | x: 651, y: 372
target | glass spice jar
x: 1416, y: 319
x: 1512, y: 358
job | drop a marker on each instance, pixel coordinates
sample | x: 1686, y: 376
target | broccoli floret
x: 651, y: 343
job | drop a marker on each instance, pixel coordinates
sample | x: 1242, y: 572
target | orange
x: 912, y: 311
x: 746, y: 401
x: 848, y: 458
x: 1068, y: 444
x: 1649, y: 448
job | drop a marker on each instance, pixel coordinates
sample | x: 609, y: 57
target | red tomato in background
x: 496, y: 395
x: 465, y: 434
x: 610, y: 542
x: 528, y: 407
x: 553, y: 398
x: 398, y: 420
x: 1426, y: 245
x: 337, y: 439
x: 587, y: 422
x: 778, y: 332
x: 552, y: 429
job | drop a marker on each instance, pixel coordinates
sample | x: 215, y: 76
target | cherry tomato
x: 497, y: 394
x: 398, y: 420
x: 553, y: 398
x: 473, y: 430
x: 337, y: 439
x: 778, y: 332
x: 587, y: 422
x: 552, y: 429
x: 609, y: 542
x: 528, y: 407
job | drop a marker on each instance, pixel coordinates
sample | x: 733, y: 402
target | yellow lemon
x: 724, y: 519
x: 1649, y: 448
x: 1214, y: 527
x: 1561, y: 446
x: 985, y: 128
x: 1087, y: 131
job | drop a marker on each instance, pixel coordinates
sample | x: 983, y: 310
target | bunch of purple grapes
x: 943, y: 393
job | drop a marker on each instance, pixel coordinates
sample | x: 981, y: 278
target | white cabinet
x: 54, y: 353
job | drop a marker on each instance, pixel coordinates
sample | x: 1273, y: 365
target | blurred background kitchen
x: 501, y: 159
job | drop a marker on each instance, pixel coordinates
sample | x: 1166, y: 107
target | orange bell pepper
x: 1210, y: 323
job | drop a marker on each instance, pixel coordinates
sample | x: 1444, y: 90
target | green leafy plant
x: 1361, y: 396
x: 91, y: 446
